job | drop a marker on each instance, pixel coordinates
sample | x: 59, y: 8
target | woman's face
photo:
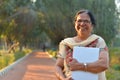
x: 83, y: 25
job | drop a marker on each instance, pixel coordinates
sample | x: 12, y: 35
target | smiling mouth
x: 82, y: 29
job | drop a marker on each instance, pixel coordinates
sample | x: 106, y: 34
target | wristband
x: 85, y: 65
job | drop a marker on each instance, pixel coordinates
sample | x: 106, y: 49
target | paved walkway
x: 37, y: 66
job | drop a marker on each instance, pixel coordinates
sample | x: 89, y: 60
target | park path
x: 37, y: 66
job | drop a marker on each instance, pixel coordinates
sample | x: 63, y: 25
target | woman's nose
x: 82, y: 23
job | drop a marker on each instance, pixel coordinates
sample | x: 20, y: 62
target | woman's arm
x: 96, y: 67
x: 101, y: 65
x: 59, y: 68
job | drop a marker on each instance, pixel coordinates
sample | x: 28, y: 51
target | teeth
x: 82, y: 29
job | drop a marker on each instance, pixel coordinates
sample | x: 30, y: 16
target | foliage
x: 23, y: 21
x: 112, y: 74
x: 18, y: 54
x: 116, y: 42
x: 115, y: 55
x: 104, y: 15
x: 7, y: 59
x: 66, y: 10
x: 114, y: 71
x: 53, y: 53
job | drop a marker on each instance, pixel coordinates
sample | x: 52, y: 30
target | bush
x: 115, y: 58
x: 2, y: 62
x: 7, y: 59
x: 112, y: 74
x: 114, y: 71
x: 116, y: 67
x: 52, y: 52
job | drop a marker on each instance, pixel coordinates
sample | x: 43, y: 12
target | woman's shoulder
x: 99, y: 37
x: 67, y: 41
x: 101, y: 42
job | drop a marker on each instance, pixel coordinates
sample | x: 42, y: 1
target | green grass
x: 114, y: 71
x: 6, y: 58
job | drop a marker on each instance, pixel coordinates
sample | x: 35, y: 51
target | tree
x: 61, y: 12
x: 106, y: 19
x: 25, y: 19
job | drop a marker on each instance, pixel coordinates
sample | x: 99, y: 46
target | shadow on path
x: 37, y: 66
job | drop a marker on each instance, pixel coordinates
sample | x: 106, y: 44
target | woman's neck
x: 81, y: 38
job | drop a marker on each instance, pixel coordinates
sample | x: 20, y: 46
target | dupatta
x: 66, y: 49
x: 67, y: 44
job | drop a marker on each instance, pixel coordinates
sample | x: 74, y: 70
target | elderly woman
x: 84, y: 24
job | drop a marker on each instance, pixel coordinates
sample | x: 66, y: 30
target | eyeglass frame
x: 85, y: 21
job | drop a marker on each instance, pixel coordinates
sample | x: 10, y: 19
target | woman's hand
x: 75, y: 65
x: 69, y: 78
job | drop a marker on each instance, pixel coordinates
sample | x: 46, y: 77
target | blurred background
x: 27, y: 25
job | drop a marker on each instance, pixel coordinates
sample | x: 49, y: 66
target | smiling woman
x: 84, y: 24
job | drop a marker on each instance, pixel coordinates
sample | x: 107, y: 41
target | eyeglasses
x: 85, y: 21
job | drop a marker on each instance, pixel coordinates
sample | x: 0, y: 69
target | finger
x: 70, y: 59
